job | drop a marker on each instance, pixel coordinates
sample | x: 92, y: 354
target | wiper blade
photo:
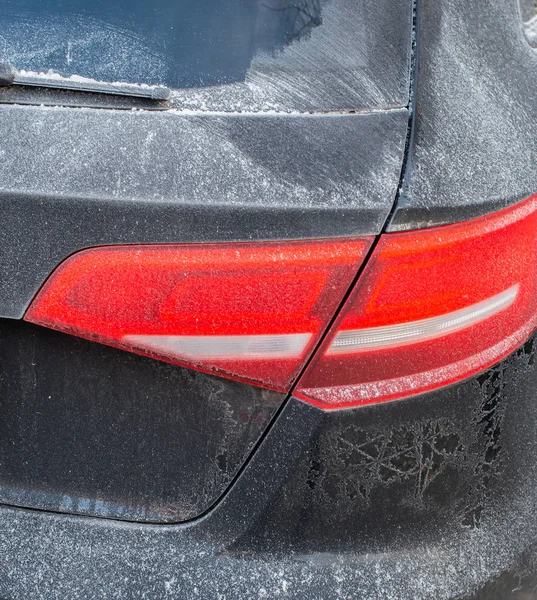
x: 10, y: 76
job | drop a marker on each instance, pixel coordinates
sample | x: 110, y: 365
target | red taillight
x: 431, y: 308
x: 249, y: 311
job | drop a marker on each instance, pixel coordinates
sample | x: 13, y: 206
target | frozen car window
x: 180, y: 43
x: 338, y: 53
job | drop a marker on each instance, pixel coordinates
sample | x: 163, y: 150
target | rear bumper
x: 428, y: 497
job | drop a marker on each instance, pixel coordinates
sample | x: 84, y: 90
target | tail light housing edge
x: 430, y: 308
x: 248, y: 311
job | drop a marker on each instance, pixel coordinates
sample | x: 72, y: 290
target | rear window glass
x: 187, y: 44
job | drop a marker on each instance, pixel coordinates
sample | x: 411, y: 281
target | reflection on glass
x: 179, y: 43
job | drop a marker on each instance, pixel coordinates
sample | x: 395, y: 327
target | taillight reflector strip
x: 195, y: 347
x: 431, y: 307
x: 355, y: 340
x: 345, y: 396
x: 249, y: 311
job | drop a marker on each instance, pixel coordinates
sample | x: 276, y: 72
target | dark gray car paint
x: 423, y: 498
x: 88, y: 429
x: 73, y: 178
x: 475, y: 147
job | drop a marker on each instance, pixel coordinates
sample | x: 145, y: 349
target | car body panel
x: 453, y: 509
x: 474, y: 143
x: 428, y: 497
x: 87, y: 429
x: 225, y: 160
x: 75, y: 178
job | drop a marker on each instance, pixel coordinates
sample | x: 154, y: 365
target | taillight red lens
x: 432, y: 307
x: 248, y: 311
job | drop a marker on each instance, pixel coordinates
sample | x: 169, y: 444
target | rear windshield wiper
x: 10, y: 76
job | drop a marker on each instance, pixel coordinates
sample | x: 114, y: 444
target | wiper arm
x: 10, y: 76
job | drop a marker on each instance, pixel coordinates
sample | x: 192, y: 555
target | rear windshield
x: 186, y: 44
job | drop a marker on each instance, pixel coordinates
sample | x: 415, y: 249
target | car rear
x: 272, y: 337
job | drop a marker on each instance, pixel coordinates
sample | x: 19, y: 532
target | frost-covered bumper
x: 429, y: 497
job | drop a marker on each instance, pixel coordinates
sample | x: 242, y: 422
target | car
x: 268, y: 299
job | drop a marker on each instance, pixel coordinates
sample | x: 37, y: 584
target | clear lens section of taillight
x: 431, y: 308
x: 250, y: 311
